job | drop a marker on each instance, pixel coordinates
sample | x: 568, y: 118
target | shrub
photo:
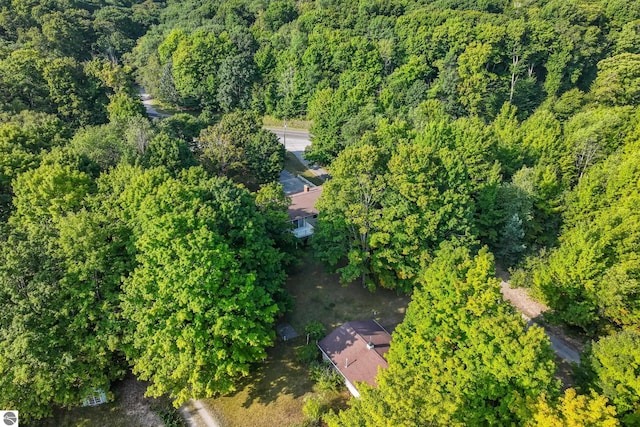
x: 308, y: 353
x: 169, y: 415
x: 316, y: 330
x: 325, y: 377
x: 314, y: 408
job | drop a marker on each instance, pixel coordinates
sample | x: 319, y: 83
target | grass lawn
x: 164, y: 108
x: 293, y: 124
x: 293, y: 165
x: 320, y: 297
x: 274, y: 395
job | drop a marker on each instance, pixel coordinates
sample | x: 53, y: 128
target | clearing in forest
x: 275, y: 393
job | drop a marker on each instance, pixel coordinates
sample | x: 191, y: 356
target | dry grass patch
x: 319, y: 296
x: 272, y: 396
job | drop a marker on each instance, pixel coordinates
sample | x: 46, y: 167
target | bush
x: 314, y: 408
x: 316, y: 330
x: 325, y: 377
x: 308, y: 353
x: 171, y: 418
x: 169, y: 415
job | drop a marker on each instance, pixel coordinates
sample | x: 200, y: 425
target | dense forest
x: 459, y: 135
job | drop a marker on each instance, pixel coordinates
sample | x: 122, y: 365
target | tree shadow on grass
x: 280, y: 374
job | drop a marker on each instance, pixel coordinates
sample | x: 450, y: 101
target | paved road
x: 562, y: 349
x: 293, y: 140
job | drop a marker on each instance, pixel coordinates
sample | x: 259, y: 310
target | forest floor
x: 129, y: 408
x: 275, y: 394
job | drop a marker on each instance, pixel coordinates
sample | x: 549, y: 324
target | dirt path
x: 148, y: 105
x: 196, y: 415
x: 567, y: 349
x: 135, y: 405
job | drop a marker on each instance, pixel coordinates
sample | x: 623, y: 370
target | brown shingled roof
x: 303, y: 204
x: 347, y: 348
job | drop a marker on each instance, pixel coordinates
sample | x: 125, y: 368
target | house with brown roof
x: 302, y: 211
x: 356, y: 350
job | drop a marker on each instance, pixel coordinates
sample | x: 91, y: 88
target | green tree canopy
x: 123, y: 106
x: 236, y: 147
x: 460, y: 357
x: 23, y: 139
x: 60, y: 270
x: 206, y: 291
x: 618, y: 81
x: 591, y: 279
x: 574, y: 410
x: 613, y: 363
x: 388, y: 206
x: 350, y: 210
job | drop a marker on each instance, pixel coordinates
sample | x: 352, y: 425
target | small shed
x: 286, y: 331
x: 97, y: 397
x: 356, y: 350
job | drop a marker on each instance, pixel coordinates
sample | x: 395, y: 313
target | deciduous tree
x: 460, y: 357
x: 349, y: 211
x: 60, y: 270
x: 204, y: 296
x: 574, y: 410
x: 612, y: 362
x: 591, y: 280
